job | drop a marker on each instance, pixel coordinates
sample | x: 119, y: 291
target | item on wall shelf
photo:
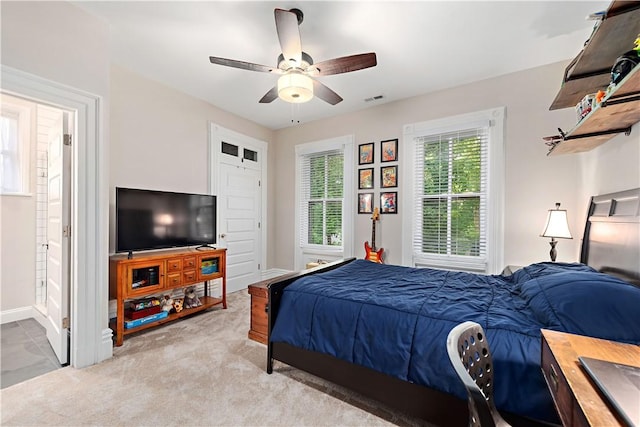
x: 556, y: 227
x: 389, y: 150
x: 389, y: 202
x: 365, y: 179
x: 371, y: 253
x: 365, y: 153
x: 389, y: 176
x: 585, y: 106
x: 623, y: 65
x: 365, y: 203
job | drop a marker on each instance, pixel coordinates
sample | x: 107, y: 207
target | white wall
x: 159, y: 137
x: 534, y: 181
x: 58, y: 42
x: 18, y: 230
x: 613, y: 166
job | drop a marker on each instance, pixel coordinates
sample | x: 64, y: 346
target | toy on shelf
x: 191, y: 299
x: 178, y: 304
x: 584, y: 107
x: 167, y: 303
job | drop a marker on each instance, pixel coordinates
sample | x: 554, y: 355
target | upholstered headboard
x: 611, y: 242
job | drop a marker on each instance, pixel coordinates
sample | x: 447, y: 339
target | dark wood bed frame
x: 611, y: 244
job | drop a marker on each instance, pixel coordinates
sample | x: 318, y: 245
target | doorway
x: 238, y: 177
x: 38, y: 192
x: 91, y: 338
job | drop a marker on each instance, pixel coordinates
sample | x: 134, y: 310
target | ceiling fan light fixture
x: 295, y: 87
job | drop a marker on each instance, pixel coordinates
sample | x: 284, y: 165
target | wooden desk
x: 576, y: 398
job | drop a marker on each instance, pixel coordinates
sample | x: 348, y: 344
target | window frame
x: 494, y: 215
x: 22, y: 113
x: 307, y: 252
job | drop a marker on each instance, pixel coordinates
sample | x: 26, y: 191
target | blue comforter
x: 396, y: 320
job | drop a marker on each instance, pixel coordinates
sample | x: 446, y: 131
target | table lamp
x: 556, y: 228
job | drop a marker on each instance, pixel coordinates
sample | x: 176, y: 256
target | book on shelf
x: 128, y: 324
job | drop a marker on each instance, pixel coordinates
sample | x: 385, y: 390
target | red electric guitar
x: 371, y: 253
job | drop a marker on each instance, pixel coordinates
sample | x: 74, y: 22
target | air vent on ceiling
x: 374, y: 98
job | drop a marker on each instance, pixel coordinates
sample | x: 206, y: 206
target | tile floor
x: 25, y: 352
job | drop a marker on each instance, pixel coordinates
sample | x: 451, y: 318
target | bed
x: 381, y: 329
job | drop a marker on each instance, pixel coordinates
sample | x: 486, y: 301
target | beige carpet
x: 202, y: 370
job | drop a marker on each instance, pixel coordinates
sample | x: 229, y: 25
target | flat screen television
x: 148, y: 219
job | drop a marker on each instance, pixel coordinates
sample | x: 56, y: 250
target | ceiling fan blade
x: 244, y: 65
x: 345, y: 64
x: 289, y: 35
x: 326, y: 94
x: 269, y: 96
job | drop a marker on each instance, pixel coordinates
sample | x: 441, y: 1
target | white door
x: 239, y: 209
x: 58, y: 222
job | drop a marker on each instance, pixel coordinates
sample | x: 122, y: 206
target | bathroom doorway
x: 36, y: 195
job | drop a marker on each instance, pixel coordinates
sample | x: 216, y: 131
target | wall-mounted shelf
x: 590, y: 71
x: 616, y: 114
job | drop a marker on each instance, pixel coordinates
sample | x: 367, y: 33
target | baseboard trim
x: 16, y: 314
x: 106, y: 345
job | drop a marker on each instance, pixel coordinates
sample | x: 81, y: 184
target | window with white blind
x: 324, y: 199
x: 14, y: 149
x: 456, y: 173
x: 322, y: 184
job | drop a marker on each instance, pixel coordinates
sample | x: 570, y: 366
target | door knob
x: 222, y: 236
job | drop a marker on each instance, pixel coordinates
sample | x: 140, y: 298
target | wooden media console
x: 159, y: 273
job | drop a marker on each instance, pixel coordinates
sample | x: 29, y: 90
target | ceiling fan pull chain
x: 295, y: 109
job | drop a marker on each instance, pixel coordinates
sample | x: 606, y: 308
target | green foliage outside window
x: 451, y: 200
x: 325, y: 199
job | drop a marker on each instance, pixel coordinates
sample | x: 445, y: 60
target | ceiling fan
x: 296, y: 68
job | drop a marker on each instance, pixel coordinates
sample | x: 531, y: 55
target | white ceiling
x: 421, y: 46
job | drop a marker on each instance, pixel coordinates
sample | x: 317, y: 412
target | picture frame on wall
x: 389, y: 202
x: 365, y: 153
x: 389, y: 176
x: 389, y: 150
x: 365, y: 179
x: 365, y: 203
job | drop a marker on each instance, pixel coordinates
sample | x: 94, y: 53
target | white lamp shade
x: 295, y: 87
x: 557, y: 225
